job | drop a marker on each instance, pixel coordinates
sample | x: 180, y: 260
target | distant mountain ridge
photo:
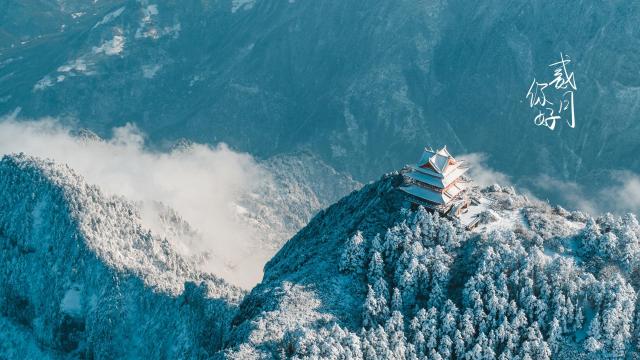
x: 363, y: 90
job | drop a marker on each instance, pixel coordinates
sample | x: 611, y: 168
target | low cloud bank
x: 481, y: 173
x: 622, y: 196
x: 201, y: 183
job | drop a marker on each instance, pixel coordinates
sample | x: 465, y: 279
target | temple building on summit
x: 436, y: 182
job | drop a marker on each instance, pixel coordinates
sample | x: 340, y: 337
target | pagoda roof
x: 454, y: 174
x: 430, y: 195
x: 426, y: 170
x: 425, y: 194
x: 429, y: 177
x: 438, y: 160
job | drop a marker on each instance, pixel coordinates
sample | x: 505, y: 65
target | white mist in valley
x: 622, y: 196
x: 201, y: 183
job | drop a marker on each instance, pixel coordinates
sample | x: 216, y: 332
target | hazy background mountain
x: 362, y: 85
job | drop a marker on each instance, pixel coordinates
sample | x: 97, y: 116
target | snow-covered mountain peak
x: 369, y: 278
x: 108, y: 226
x: 84, y: 277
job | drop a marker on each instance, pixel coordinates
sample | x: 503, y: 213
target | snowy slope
x: 83, y: 277
x: 100, y: 255
x: 298, y: 185
x: 366, y: 279
x: 302, y: 286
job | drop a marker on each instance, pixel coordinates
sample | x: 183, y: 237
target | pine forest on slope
x: 366, y: 278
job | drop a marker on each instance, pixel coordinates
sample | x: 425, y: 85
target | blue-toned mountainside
x: 299, y: 185
x: 367, y: 278
x: 81, y: 277
x: 360, y: 84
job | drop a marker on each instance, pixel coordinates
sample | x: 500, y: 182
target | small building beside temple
x: 437, y: 183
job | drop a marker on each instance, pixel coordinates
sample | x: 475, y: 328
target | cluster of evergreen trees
x: 83, y: 279
x: 436, y: 291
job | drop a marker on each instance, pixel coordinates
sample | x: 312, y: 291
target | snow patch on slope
x: 149, y: 25
x: 242, y: 5
x: 110, y: 17
x: 150, y: 71
x: 111, y: 47
x: 71, y: 302
x: 77, y: 65
x: 43, y: 83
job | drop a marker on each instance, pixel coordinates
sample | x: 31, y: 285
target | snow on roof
x: 439, y: 160
x: 427, y: 171
x: 454, y: 175
x: 426, y: 194
x: 471, y: 215
x: 430, y: 177
x: 427, y: 179
x: 432, y: 195
x: 444, y: 152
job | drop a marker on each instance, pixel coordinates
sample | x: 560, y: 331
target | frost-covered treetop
x: 59, y: 200
x: 373, y: 279
x: 367, y: 278
x: 83, y: 278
